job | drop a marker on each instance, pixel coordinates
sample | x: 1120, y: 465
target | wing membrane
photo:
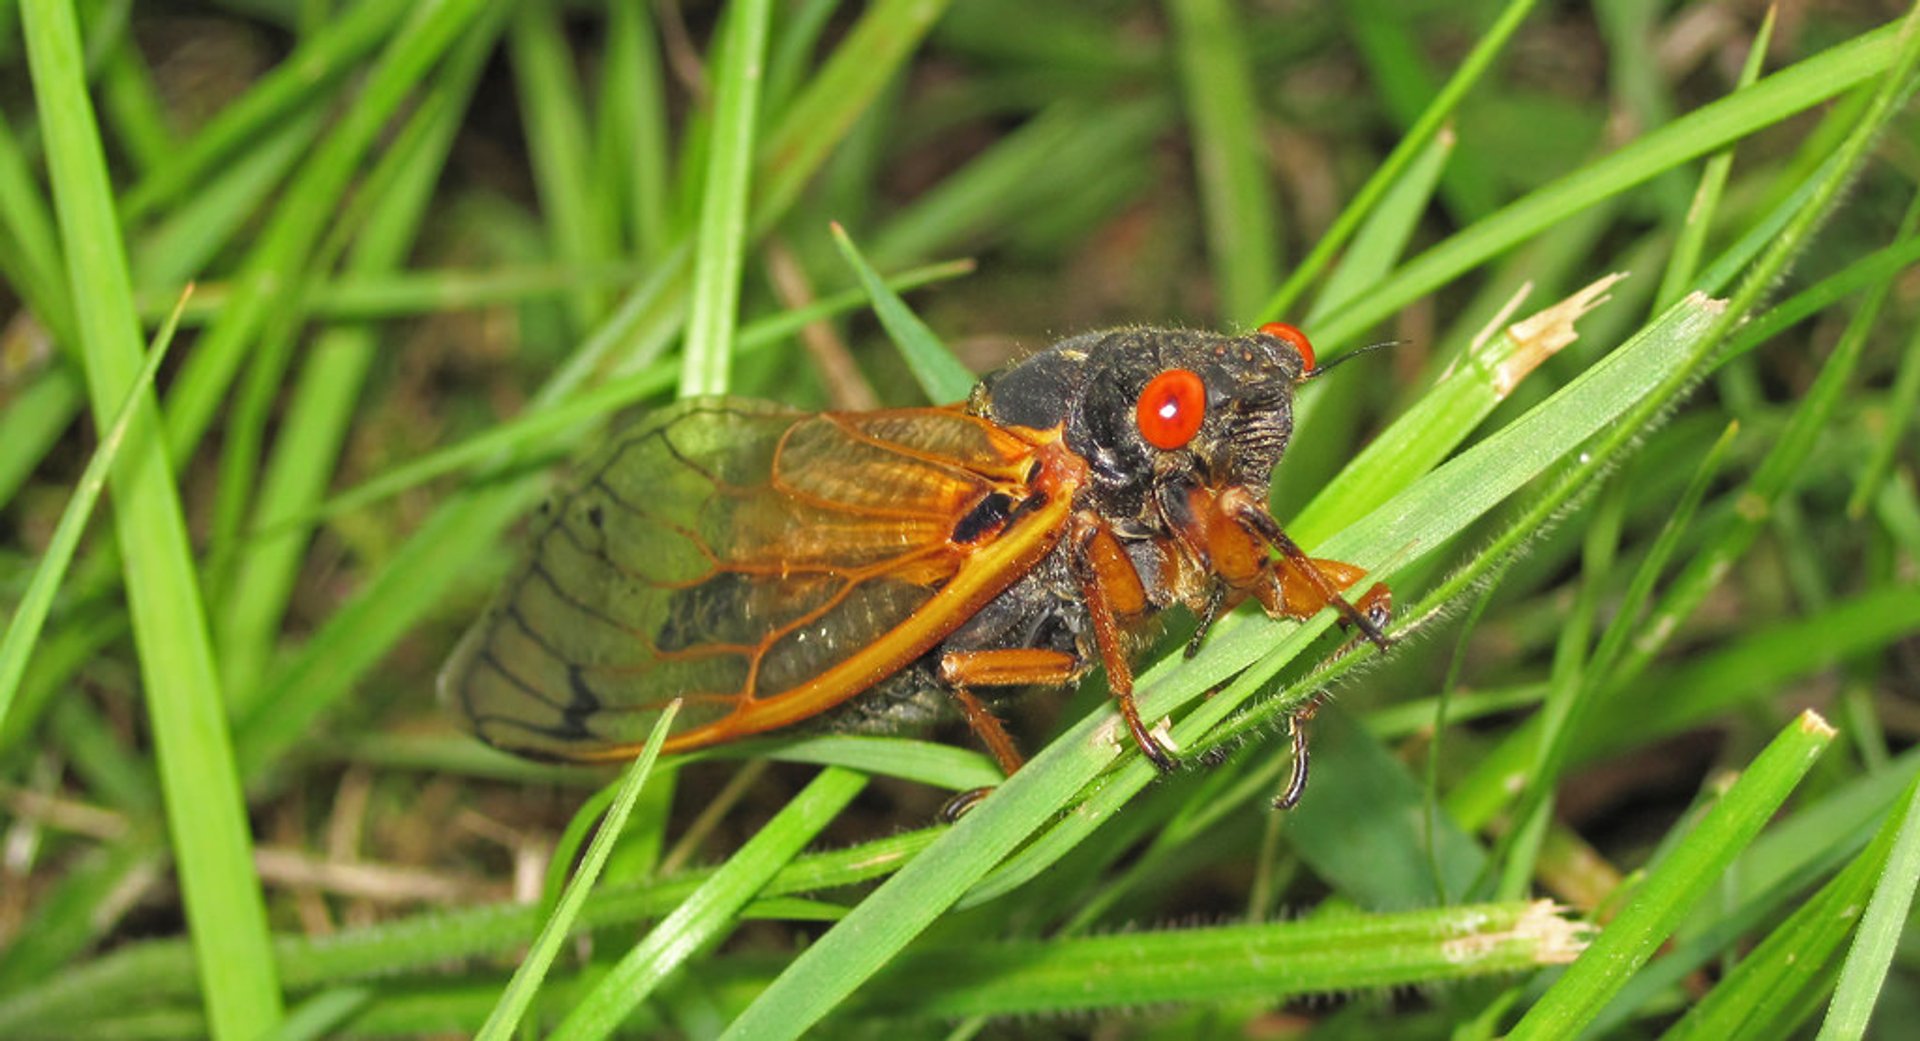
x: 752, y: 560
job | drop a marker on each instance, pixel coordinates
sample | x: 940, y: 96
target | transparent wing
x: 743, y: 557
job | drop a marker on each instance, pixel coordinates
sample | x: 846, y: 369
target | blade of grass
x: 506, y: 1015
x: 23, y: 630
x: 1262, y: 963
x: 1416, y: 140
x: 1223, y: 118
x: 634, y: 129
x: 558, y: 147
x: 1902, y: 402
x: 322, y: 59
x: 33, y: 422
x: 1688, y: 248
x: 205, y: 811
x: 1776, y: 97
x: 720, y: 243
x: 820, y: 118
x: 1676, y: 884
x: 158, y: 969
x: 1791, y: 964
x: 327, y: 389
x: 267, y: 286
x: 938, y: 372
x: 712, y: 908
x: 31, y: 260
x: 1878, y: 934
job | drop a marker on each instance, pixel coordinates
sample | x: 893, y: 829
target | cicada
x: 863, y: 571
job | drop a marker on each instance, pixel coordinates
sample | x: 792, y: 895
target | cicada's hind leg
x: 1010, y: 667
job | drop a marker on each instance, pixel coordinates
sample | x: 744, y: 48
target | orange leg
x: 1108, y: 581
x: 1294, y: 594
x: 1303, y: 585
x: 1011, y: 667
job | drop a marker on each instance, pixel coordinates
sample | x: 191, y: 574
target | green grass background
x: 1642, y: 764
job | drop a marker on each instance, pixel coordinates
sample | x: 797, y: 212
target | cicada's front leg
x: 1303, y: 585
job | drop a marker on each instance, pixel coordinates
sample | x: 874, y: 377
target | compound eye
x: 1171, y: 408
x: 1294, y: 338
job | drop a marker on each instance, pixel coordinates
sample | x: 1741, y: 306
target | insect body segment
x: 864, y: 570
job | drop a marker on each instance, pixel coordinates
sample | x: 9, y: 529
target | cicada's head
x: 1154, y: 408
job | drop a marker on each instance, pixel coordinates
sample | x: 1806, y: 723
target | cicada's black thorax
x: 1091, y: 384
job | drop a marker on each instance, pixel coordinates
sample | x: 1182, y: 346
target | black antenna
x: 1319, y: 370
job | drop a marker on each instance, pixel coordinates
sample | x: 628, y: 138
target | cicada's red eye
x: 1171, y: 408
x: 1292, y: 337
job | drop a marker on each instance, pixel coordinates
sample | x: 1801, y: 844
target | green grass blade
x: 1704, y: 130
x: 720, y: 243
x: 205, y: 810
x: 1692, y: 242
x: 705, y: 914
x: 322, y: 59
x: 330, y: 382
x: 1260, y: 963
x: 1676, y: 884
x: 1878, y: 934
x: 1409, y: 148
x: 23, y: 630
x: 264, y: 289
x: 1902, y: 402
x: 558, y: 146
x: 506, y: 1016
x: 1223, y: 116
x: 32, y: 424
x: 1793, y: 963
x: 938, y: 372
x: 819, y: 119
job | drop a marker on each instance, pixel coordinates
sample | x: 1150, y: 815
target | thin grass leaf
x: 1404, y: 154
x: 205, y: 810
x: 33, y: 422
x: 1242, y: 234
x: 329, y: 383
x: 1774, y: 98
x: 321, y: 60
x: 712, y: 908
x: 520, y: 990
x: 31, y: 260
x: 1692, y: 242
x: 1902, y: 402
x: 161, y: 969
x: 1676, y: 884
x: 23, y: 630
x: 1260, y: 963
x: 1878, y: 934
x: 558, y: 147
x: 264, y: 289
x: 721, y: 240
x: 938, y: 372
x: 1772, y: 987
